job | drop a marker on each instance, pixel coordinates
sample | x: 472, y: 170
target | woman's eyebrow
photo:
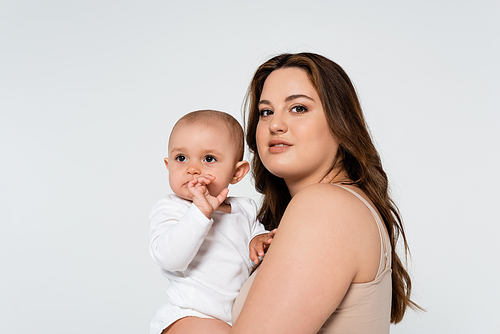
x: 288, y: 99
x: 296, y: 96
x: 263, y: 102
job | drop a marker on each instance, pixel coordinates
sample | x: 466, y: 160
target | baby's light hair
x: 216, y: 118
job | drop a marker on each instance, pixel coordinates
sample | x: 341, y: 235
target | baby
x: 200, y: 237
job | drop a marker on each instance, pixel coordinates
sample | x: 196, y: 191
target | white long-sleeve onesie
x: 205, y: 260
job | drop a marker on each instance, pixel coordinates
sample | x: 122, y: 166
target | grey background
x: 89, y: 91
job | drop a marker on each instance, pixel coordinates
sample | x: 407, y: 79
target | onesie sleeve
x: 175, y: 235
x: 256, y: 226
x: 257, y: 229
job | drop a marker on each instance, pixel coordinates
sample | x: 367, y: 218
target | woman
x: 331, y: 267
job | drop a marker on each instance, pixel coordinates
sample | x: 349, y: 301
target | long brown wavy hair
x: 356, y: 156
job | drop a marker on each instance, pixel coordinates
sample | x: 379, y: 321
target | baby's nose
x: 193, y: 170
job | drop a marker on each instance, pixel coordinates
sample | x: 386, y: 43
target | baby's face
x: 197, y: 149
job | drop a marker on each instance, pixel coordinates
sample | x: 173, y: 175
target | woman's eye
x: 265, y: 112
x: 299, y: 109
x: 180, y: 158
x: 210, y: 158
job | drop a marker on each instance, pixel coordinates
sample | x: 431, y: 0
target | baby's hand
x: 201, y: 196
x: 259, y: 245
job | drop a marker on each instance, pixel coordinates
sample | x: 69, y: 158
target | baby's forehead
x: 223, y: 127
x: 202, y: 125
x: 220, y: 131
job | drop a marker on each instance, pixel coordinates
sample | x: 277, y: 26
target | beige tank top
x: 366, y: 307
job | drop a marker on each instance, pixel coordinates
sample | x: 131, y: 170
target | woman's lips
x: 278, y: 146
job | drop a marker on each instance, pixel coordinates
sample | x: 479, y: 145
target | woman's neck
x: 335, y: 176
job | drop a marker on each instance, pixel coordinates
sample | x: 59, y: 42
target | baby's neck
x: 225, y: 207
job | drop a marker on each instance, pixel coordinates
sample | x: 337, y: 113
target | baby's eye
x: 265, y: 112
x: 299, y: 109
x: 180, y: 158
x: 209, y: 158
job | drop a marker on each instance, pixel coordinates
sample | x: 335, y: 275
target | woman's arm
x: 326, y: 240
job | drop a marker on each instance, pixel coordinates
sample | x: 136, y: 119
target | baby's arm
x: 259, y: 245
x: 201, y: 196
x: 176, y: 234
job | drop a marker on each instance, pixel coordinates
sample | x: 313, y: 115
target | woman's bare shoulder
x: 334, y: 214
x: 328, y: 198
x: 319, y: 250
x: 330, y: 211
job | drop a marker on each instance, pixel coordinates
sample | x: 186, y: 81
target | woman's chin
x: 283, y: 173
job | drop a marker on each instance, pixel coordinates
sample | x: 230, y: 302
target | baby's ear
x: 166, y: 162
x: 242, y: 168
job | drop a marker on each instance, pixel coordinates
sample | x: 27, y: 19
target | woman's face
x: 293, y: 138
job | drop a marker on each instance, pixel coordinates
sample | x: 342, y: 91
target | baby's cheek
x: 215, y: 189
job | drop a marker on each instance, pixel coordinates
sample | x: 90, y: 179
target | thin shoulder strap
x: 385, y: 245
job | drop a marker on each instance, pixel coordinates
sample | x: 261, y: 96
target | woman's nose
x: 278, y: 123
